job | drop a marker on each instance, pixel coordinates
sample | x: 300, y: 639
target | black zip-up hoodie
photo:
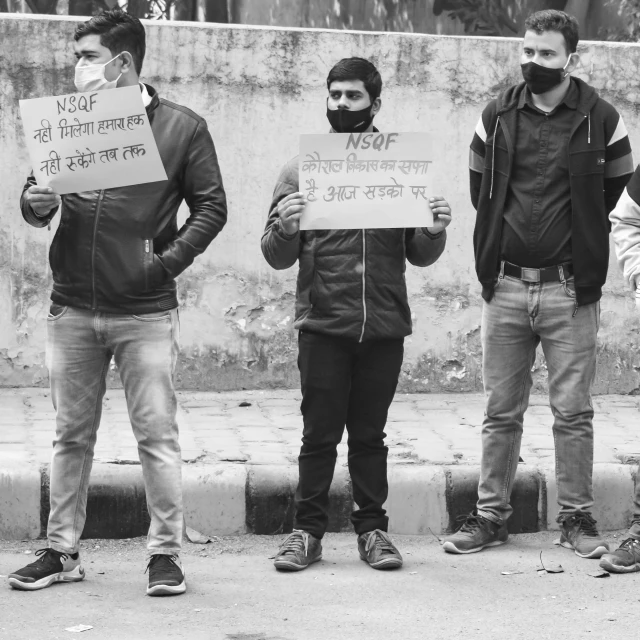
x: 594, y: 189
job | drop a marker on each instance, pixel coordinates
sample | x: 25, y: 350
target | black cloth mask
x: 541, y: 79
x: 346, y: 121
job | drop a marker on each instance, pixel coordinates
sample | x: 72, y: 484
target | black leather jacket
x: 120, y: 250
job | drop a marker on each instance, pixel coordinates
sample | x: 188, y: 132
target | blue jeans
x: 518, y: 318
x: 80, y: 345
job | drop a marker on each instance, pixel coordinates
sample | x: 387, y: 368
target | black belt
x: 557, y: 273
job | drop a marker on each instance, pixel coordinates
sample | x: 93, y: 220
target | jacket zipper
x: 364, y: 273
x: 93, y: 250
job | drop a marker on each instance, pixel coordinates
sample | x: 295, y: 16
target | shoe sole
x: 167, y: 590
x: 614, y: 568
x: 284, y: 565
x: 450, y: 547
x: 383, y: 565
x: 76, y: 575
x: 598, y: 552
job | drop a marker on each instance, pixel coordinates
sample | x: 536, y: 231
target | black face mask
x: 541, y: 79
x: 346, y: 121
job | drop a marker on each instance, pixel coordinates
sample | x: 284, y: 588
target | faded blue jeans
x: 80, y: 345
x: 518, y: 318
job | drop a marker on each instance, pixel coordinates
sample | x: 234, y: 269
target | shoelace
x: 46, y: 555
x: 586, y: 524
x: 381, y: 540
x: 297, y: 541
x: 170, y: 561
x: 632, y: 546
x: 469, y: 523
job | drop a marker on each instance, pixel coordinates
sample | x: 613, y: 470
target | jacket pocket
x: 583, y: 163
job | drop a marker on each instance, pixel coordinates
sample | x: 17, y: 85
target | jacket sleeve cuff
x: 433, y: 236
x: 283, y: 234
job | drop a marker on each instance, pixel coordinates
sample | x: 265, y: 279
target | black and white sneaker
x: 51, y: 566
x: 166, y: 576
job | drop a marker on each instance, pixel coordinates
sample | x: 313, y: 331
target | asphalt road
x: 234, y: 593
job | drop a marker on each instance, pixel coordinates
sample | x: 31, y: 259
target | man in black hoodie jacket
x: 548, y: 162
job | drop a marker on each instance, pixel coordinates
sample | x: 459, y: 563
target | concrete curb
x: 229, y: 499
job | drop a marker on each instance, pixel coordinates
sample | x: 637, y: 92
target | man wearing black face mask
x: 548, y: 162
x: 353, y: 315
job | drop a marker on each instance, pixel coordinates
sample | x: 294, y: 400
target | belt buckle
x: 530, y: 275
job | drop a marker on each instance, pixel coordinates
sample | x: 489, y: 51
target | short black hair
x: 552, y: 20
x: 119, y: 31
x: 357, y: 69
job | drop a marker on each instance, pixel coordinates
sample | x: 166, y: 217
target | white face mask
x: 91, y: 77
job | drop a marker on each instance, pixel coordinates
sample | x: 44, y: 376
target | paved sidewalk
x: 250, y: 440
x: 216, y: 427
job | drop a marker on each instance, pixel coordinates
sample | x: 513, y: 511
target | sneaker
x: 625, y: 559
x: 634, y: 530
x: 580, y: 534
x: 475, y: 534
x: 376, y: 548
x: 298, y: 551
x: 51, y: 566
x: 166, y: 576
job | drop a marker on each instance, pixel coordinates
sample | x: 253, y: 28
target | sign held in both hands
x: 366, y: 180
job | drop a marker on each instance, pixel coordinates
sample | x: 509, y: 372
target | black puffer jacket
x: 351, y: 282
x: 119, y: 250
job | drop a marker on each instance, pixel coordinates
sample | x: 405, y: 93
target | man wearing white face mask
x: 114, y: 260
x: 548, y: 161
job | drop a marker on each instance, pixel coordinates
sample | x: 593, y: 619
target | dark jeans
x: 345, y: 382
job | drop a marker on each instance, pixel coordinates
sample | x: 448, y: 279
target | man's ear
x: 574, y: 63
x: 375, y: 107
x: 126, y: 62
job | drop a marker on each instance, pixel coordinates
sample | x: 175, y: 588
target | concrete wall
x: 259, y: 88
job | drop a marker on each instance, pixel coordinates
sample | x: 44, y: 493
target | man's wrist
x: 285, y: 234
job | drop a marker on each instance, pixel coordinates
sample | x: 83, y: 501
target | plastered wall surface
x: 259, y: 88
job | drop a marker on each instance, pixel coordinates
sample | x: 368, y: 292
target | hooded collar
x: 570, y: 99
x: 585, y: 97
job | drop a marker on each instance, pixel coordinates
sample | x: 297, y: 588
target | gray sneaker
x: 475, y: 534
x: 298, y: 551
x: 375, y: 548
x: 580, y: 534
x: 625, y: 559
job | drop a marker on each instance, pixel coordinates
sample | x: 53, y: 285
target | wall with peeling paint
x: 259, y: 88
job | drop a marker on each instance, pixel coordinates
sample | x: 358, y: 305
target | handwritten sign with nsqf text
x: 366, y: 180
x: 88, y: 141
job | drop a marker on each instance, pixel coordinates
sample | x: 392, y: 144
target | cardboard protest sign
x: 366, y: 180
x: 87, y: 141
